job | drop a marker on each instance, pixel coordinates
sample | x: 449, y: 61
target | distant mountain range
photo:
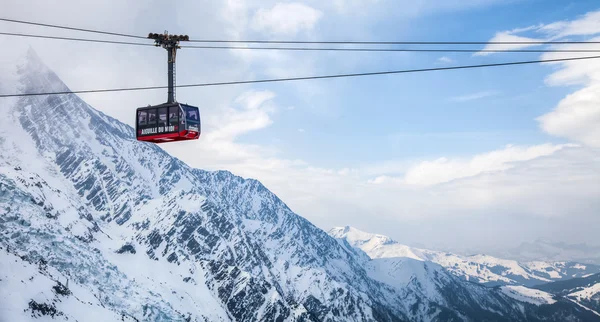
x: 96, y: 226
x: 483, y: 269
x: 521, y: 280
x: 553, y: 251
x: 585, y: 290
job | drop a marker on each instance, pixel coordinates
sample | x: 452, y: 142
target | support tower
x: 171, y: 44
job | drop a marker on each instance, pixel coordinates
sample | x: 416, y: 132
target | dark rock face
x: 41, y: 309
x: 61, y: 289
x: 127, y: 248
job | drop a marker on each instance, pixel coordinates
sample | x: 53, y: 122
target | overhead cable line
x: 273, y: 80
x: 76, y: 39
x: 541, y: 42
x: 70, y: 28
x: 443, y: 50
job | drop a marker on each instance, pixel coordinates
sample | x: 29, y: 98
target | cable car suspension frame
x: 170, y: 121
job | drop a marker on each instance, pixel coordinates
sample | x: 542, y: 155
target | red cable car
x: 167, y: 123
x: 171, y: 121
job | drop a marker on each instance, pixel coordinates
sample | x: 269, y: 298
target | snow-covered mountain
x: 95, y: 225
x: 585, y: 291
x: 482, y: 269
x: 576, y: 282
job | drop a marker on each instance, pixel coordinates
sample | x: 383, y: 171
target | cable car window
x: 173, y: 115
x: 192, y: 118
x: 192, y: 114
x: 152, y: 117
x: 142, y: 118
x: 162, y: 116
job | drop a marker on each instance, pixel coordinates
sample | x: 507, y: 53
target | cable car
x: 171, y: 121
x: 167, y: 123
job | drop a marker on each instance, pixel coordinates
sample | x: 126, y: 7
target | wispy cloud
x: 586, y: 25
x: 577, y: 116
x: 508, y: 36
x: 252, y: 112
x: 445, y: 60
x: 445, y: 170
x: 456, y: 135
x: 473, y: 96
x: 286, y: 18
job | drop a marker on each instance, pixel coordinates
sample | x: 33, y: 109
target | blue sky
x: 419, y: 115
x: 487, y: 157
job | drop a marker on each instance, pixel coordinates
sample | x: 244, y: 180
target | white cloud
x: 445, y: 60
x: 577, y: 117
x: 583, y: 72
x: 403, y: 8
x: 588, y: 24
x: 445, y: 170
x: 347, y: 6
x: 252, y: 100
x: 552, y: 185
x: 474, y: 96
x: 254, y: 115
x: 385, y: 179
x: 507, y: 36
x: 301, y: 130
x: 286, y: 18
x: 346, y: 171
x: 390, y: 167
x: 555, y: 193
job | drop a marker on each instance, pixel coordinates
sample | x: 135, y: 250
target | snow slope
x: 587, y: 293
x: 525, y: 294
x: 584, y: 291
x: 42, y: 286
x: 588, y: 297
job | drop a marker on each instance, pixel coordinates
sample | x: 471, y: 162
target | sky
x: 454, y: 160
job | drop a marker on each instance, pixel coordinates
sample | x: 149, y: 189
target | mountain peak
x: 355, y: 235
x: 34, y: 76
x: 32, y: 55
x: 376, y: 245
